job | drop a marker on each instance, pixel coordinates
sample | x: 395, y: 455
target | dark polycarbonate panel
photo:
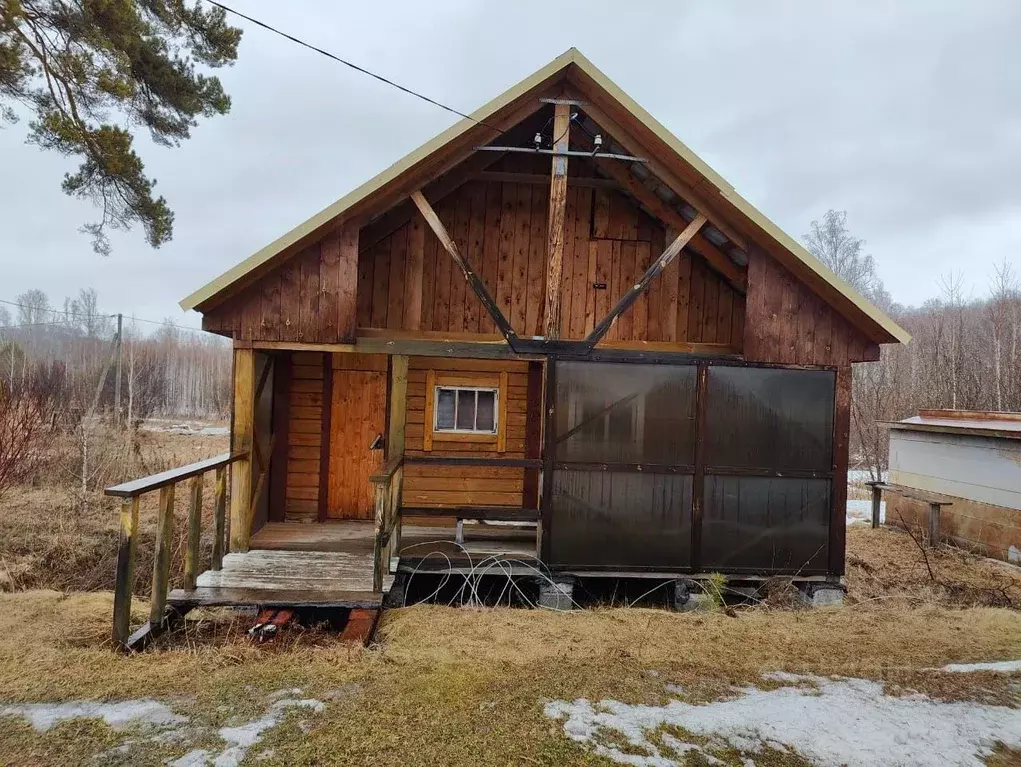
x: 625, y: 413
x: 762, y: 418
x: 765, y: 523
x: 621, y: 519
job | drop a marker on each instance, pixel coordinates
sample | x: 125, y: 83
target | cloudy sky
x: 907, y: 115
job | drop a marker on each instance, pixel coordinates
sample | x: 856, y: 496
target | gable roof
x: 848, y: 301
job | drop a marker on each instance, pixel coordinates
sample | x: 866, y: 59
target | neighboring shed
x: 971, y: 459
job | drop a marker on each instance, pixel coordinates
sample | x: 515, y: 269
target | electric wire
x: 352, y: 65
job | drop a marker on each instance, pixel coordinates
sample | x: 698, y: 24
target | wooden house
x: 554, y: 314
x: 967, y: 466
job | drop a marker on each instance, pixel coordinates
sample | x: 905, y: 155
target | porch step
x: 277, y: 598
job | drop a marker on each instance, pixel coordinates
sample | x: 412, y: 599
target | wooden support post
x: 398, y: 405
x: 877, y: 499
x: 397, y: 412
x: 191, y: 555
x: 838, y: 496
x: 242, y: 439
x: 934, y: 509
x: 219, y: 517
x: 161, y: 558
x: 533, y: 434
x: 557, y: 210
x: 382, y: 497
x: 125, y: 578
x: 469, y: 274
x: 643, y: 284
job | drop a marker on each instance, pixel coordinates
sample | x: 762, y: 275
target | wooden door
x: 357, y: 418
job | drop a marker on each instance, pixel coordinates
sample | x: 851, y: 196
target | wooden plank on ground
x: 360, y: 626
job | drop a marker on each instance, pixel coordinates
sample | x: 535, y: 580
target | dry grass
x: 47, y: 540
x: 449, y: 686
x: 887, y: 565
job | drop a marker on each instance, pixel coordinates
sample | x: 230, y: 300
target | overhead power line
x: 353, y: 66
x: 85, y: 315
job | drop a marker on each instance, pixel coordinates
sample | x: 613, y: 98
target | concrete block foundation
x: 556, y: 594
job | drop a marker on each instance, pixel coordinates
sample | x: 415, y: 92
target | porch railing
x: 389, y: 484
x: 130, y: 494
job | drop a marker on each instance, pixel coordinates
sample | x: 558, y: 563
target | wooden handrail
x: 386, y: 472
x: 173, y: 476
x: 166, y: 482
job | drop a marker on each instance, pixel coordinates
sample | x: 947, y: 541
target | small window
x: 466, y: 410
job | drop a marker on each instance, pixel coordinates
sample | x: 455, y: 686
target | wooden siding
x: 786, y: 322
x: 309, y: 299
x: 304, y: 437
x: 434, y: 485
x: 500, y: 227
x: 994, y: 531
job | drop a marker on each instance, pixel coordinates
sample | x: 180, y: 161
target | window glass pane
x: 486, y: 416
x: 445, y: 409
x: 763, y: 418
x: 765, y: 524
x: 465, y: 409
x: 621, y: 519
x: 625, y: 413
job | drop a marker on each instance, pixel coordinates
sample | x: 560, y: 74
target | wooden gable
x: 407, y: 282
x: 389, y: 268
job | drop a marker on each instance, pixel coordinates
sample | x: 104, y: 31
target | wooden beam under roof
x: 719, y: 261
x: 392, y: 220
x: 682, y: 189
x: 539, y: 179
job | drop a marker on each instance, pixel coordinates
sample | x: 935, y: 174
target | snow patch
x: 241, y: 738
x: 119, y: 715
x: 833, y: 722
x: 167, y: 725
x: 192, y: 428
x: 1001, y: 667
x: 861, y: 512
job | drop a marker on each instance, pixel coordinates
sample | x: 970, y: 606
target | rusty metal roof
x: 983, y: 423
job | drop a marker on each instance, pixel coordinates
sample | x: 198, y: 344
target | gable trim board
x: 455, y: 144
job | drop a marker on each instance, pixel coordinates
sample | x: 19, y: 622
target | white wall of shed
x: 984, y: 469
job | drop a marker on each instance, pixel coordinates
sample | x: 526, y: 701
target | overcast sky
x: 907, y: 115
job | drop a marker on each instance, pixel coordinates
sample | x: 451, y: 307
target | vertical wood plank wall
x: 432, y: 485
x: 310, y: 298
x: 501, y: 229
x: 304, y: 437
x: 786, y: 322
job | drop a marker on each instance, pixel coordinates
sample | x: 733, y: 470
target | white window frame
x: 436, y: 409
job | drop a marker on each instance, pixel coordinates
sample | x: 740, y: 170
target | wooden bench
x: 477, y: 513
x: 936, y: 503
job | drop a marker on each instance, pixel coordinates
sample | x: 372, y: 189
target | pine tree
x: 88, y: 69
